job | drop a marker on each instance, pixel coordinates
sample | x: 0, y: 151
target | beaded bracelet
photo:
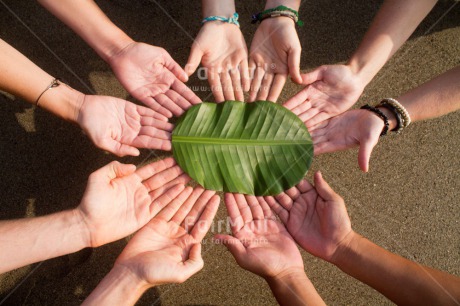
x: 400, y: 108
x: 381, y: 116
x: 232, y: 20
x: 54, y: 83
x: 276, y: 12
x: 391, y: 108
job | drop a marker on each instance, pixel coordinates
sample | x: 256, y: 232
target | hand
x: 260, y: 244
x: 275, y: 53
x: 221, y: 49
x: 150, y: 75
x: 119, y: 200
x: 331, y: 90
x: 121, y: 127
x: 168, y: 248
x: 350, y: 129
x: 316, y: 217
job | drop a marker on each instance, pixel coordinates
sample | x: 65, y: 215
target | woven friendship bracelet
x: 401, y: 109
x: 279, y: 11
x: 55, y: 83
x: 232, y: 20
x: 381, y: 116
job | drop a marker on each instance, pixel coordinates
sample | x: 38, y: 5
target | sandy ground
x: 408, y: 203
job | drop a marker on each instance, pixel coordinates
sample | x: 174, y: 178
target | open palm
x: 154, y: 78
x: 121, y: 127
x: 164, y: 251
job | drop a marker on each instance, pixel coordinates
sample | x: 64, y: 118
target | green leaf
x: 258, y: 148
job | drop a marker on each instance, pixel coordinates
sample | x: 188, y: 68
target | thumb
x: 364, y: 153
x: 294, y: 65
x: 194, y: 263
x: 233, y: 244
x: 175, y: 68
x: 194, y: 60
x: 116, y: 169
x: 312, y: 76
x: 324, y: 190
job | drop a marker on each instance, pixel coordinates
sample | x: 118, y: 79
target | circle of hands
x: 171, y: 220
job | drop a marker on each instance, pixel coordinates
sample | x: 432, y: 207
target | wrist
x: 391, y: 117
x: 63, y: 101
x: 363, y: 73
x: 83, y: 228
x: 347, y: 247
x: 288, y: 276
x: 293, y: 4
x: 119, y: 42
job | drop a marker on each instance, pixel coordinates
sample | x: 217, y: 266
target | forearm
x: 119, y: 287
x: 394, y: 23
x: 224, y: 8
x: 86, y: 19
x: 31, y: 240
x: 294, y: 289
x: 400, y: 280
x: 22, y: 78
x: 293, y: 4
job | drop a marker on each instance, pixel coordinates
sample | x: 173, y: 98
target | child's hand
x: 315, y: 216
x: 221, y: 49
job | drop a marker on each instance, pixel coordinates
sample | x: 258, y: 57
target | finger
x: 149, y: 142
x: 170, y: 210
x: 216, y: 87
x: 194, y: 59
x: 160, y: 125
x: 265, y: 87
x: 364, y: 153
x: 255, y: 84
x: 118, y: 148
x: 256, y: 210
x: 146, y: 112
x: 305, y: 116
x: 233, y: 244
x: 244, y: 73
x: 324, y: 190
x: 163, y: 177
x: 294, y: 65
x: 304, y: 186
x: 236, y: 84
x: 268, y: 213
x: 326, y: 147
x: 236, y: 220
x: 157, y: 107
x: 169, y: 104
x: 193, y: 264
x: 319, y: 127
x: 184, y: 91
x: 284, y: 200
x: 201, y: 227
x: 182, y: 179
x: 179, y: 100
x: 175, y: 68
x: 185, y: 209
x: 154, y: 132
x: 279, y: 210
x: 244, y: 208
x: 158, y: 204
x: 301, y: 107
x: 298, y: 99
x: 313, y: 76
x: 293, y: 193
x: 317, y: 119
x: 227, y: 86
x: 151, y: 169
x: 277, y: 87
x: 192, y: 216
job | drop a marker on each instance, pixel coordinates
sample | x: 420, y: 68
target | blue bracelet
x: 233, y: 19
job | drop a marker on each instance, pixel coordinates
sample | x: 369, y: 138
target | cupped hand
x: 350, y: 129
x: 260, y: 243
x: 316, y: 217
x: 120, y: 199
x: 168, y: 248
x: 330, y: 91
x: 150, y: 75
x: 121, y: 127
x: 221, y: 49
x: 274, y: 54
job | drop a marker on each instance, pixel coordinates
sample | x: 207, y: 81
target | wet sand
x: 408, y: 203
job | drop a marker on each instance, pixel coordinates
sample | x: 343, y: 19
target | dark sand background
x: 408, y: 203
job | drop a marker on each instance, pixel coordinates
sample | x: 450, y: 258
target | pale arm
x: 31, y: 240
x: 400, y: 280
